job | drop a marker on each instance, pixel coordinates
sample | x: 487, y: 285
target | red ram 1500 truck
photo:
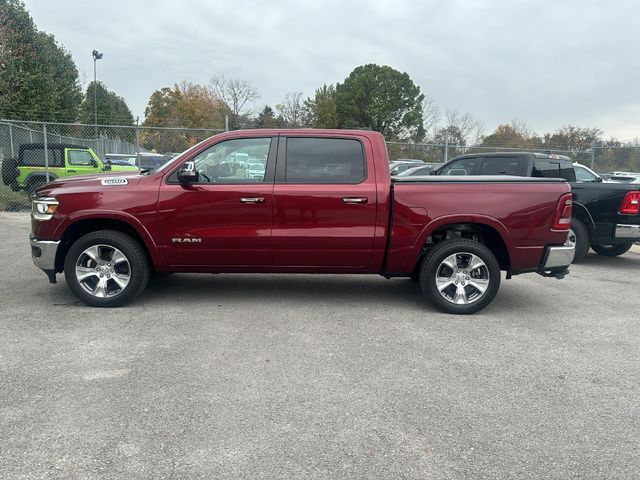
x: 299, y: 201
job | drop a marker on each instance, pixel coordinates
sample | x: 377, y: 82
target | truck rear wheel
x: 460, y: 276
x: 106, y: 268
x: 612, y: 250
x: 579, y: 235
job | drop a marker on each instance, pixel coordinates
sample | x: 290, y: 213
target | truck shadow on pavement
x: 628, y: 261
x: 352, y: 290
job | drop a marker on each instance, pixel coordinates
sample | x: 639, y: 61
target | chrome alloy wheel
x: 103, y: 271
x: 462, y: 278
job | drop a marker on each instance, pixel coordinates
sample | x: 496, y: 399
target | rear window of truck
x: 553, y: 168
x: 324, y: 160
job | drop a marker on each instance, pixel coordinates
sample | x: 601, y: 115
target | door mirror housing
x: 188, y: 173
x: 107, y: 166
x: 599, y: 180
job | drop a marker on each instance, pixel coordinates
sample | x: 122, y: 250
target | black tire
x: 31, y: 185
x: 138, y: 267
x: 433, y: 262
x: 9, y: 167
x: 612, y: 250
x: 582, y: 239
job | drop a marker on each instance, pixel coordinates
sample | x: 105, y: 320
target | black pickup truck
x: 605, y: 215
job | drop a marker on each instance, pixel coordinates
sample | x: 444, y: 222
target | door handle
x: 360, y: 200
x: 71, y: 171
x: 252, y: 199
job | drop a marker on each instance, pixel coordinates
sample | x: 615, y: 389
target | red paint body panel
x: 305, y: 227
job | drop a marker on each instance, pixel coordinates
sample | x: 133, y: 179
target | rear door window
x: 34, y: 157
x: 464, y: 166
x: 324, y: 160
x: 501, y: 166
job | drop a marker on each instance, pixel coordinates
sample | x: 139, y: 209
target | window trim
x: 281, y: 163
x: 270, y: 167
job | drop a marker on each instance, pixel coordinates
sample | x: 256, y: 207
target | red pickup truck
x: 299, y: 201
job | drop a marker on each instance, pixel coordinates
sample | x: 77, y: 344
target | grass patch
x: 11, y: 201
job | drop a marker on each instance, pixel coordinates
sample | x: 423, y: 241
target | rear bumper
x: 43, y: 254
x: 558, y: 257
x: 627, y: 232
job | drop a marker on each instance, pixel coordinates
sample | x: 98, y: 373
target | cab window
x: 324, y: 160
x: 501, y: 166
x: 464, y: 166
x: 240, y: 160
x: 583, y: 175
x: 80, y: 158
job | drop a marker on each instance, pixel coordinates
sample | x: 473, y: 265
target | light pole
x: 96, y: 56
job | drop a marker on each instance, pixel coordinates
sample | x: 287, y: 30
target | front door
x: 224, y: 219
x: 80, y: 162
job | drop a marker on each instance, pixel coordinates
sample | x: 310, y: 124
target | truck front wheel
x: 460, y: 276
x: 106, y: 268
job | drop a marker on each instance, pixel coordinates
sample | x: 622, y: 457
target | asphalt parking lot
x: 266, y: 376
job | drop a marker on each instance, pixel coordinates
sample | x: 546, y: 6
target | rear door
x: 325, y: 203
x: 225, y: 218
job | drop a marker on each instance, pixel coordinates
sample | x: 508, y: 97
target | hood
x: 94, y: 182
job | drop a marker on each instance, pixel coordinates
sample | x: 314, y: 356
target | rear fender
x: 440, y: 222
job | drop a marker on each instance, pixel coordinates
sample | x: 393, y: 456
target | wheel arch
x: 80, y: 226
x: 582, y: 213
x: 488, y: 231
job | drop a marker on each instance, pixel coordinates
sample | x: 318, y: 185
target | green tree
x: 111, y: 108
x: 267, y: 119
x: 38, y: 78
x: 321, y: 111
x: 185, y: 105
x: 383, y: 99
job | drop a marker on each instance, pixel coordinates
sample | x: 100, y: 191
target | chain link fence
x: 33, y: 153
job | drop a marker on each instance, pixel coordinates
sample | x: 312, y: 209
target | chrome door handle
x: 355, y: 199
x: 252, y: 199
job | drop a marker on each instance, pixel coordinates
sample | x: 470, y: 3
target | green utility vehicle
x: 28, y: 171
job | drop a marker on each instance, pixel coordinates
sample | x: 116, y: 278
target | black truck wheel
x: 612, y: 250
x: 460, y: 276
x: 106, y: 268
x: 579, y: 235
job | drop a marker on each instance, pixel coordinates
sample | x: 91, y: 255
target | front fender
x: 150, y: 244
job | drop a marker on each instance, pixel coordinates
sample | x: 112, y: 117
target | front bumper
x: 43, y: 254
x: 627, y: 232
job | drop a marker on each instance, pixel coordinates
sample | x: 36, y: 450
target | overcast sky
x: 548, y: 63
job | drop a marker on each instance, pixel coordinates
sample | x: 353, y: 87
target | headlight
x: 43, y: 208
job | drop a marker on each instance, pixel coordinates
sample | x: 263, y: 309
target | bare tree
x: 292, y: 109
x: 234, y: 93
x: 430, y: 115
x: 470, y: 128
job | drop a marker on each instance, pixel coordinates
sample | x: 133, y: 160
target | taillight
x: 562, y: 220
x: 630, y: 204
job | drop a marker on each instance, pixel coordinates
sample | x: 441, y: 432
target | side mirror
x: 106, y: 167
x: 188, y: 173
x: 599, y: 180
